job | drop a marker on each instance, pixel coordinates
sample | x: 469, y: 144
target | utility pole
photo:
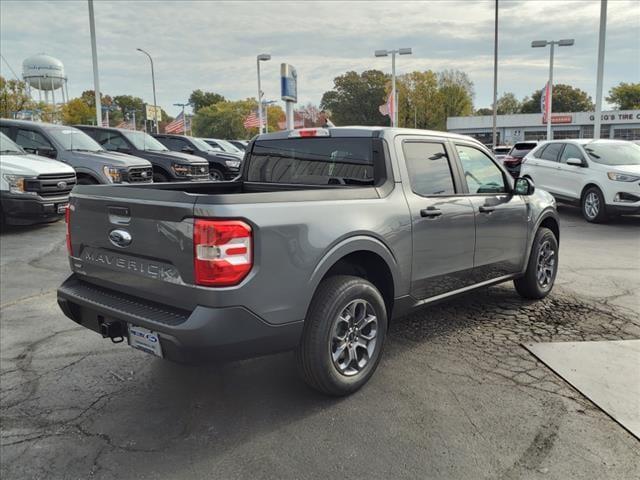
x: 601, y: 40
x: 385, y: 53
x: 495, y: 78
x: 94, y: 57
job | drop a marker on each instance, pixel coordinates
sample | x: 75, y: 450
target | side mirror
x: 188, y: 150
x: 524, y: 186
x: 47, y: 152
x: 576, y: 162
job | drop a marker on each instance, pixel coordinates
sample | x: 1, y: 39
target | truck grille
x: 140, y: 174
x: 51, y: 184
x: 197, y: 171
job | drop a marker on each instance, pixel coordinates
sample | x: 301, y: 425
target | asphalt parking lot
x: 456, y: 395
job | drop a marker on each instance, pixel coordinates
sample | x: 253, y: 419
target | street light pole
x: 601, y: 39
x: 567, y: 42
x: 153, y: 83
x: 385, y: 53
x: 94, y: 57
x: 184, y: 119
x: 263, y: 57
x: 495, y: 79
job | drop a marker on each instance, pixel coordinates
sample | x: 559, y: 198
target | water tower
x: 45, y: 74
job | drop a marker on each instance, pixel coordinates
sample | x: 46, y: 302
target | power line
x: 5, y: 61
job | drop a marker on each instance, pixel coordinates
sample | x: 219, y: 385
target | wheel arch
x: 588, y: 186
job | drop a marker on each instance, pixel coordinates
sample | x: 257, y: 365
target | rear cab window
x: 349, y: 161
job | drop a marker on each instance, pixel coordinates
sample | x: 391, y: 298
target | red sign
x: 559, y: 119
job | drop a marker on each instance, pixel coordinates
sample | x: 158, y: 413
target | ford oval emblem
x: 62, y: 185
x: 120, y: 238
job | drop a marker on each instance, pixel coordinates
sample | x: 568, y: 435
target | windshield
x: 614, y: 153
x: 144, y: 141
x: 74, y: 139
x: 7, y: 147
x: 202, y: 145
x: 228, y: 146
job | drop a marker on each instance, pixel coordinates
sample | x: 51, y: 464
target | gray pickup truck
x: 327, y: 235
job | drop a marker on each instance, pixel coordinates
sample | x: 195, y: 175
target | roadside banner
x: 544, y: 102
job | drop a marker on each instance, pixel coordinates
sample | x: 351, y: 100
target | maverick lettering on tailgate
x: 158, y: 271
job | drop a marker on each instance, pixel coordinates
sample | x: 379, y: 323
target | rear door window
x: 315, y: 161
x: 551, y: 152
x: 571, y: 151
x: 429, y: 169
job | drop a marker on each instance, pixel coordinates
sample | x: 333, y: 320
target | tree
x: 484, y: 111
x: 199, y: 99
x: 127, y: 104
x: 625, y: 96
x: 456, y: 90
x: 224, y: 119
x: 13, y: 97
x: 419, y: 100
x: 565, y: 99
x: 355, y: 98
x: 76, y: 111
x: 508, y: 104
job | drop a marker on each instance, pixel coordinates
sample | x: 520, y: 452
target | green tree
x: 355, y: 98
x: 127, y: 104
x: 508, y: 104
x: 76, y: 112
x: 565, y: 99
x: 484, y: 111
x: 199, y: 99
x: 625, y: 96
x: 223, y: 119
x: 419, y: 100
x: 456, y: 91
x: 13, y: 97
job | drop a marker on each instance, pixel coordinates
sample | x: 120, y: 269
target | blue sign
x: 288, y: 83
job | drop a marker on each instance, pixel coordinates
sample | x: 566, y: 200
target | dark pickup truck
x: 327, y: 235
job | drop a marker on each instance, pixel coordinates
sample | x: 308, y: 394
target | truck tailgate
x: 137, y: 241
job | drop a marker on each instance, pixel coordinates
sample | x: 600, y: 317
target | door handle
x: 484, y: 209
x: 430, y: 212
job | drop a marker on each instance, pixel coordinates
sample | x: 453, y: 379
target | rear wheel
x: 542, y: 268
x: 343, y: 335
x: 593, y: 206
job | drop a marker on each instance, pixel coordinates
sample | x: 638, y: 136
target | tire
x: 593, y: 207
x: 216, y: 175
x: 84, y: 180
x: 530, y: 285
x: 327, y: 323
x: 159, y: 177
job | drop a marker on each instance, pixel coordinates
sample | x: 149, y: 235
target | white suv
x: 602, y: 176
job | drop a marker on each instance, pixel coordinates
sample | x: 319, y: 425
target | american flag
x: 177, y: 126
x: 252, y: 121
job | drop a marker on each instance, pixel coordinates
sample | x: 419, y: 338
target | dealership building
x: 623, y: 124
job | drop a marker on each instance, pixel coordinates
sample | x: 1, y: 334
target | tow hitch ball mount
x: 113, y: 330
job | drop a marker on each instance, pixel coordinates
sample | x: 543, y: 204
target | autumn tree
x: 13, y: 97
x: 419, y: 100
x: 456, y: 91
x: 355, y: 98
x: 200, y: 99
x: 223, y: 119
x: 625, y: 96
x: 508, y: 104
x: 565, y: 99
x: 77, y: 112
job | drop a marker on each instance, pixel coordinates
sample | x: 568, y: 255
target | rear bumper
x: 187, y: 337
x: 27, y: 210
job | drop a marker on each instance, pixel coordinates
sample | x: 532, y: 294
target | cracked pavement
x: 455, y: 396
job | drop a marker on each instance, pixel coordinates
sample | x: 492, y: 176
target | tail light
x: 512, y: 160
x: 67, y: 220
x: 309, y: 132
x: 222, y: 252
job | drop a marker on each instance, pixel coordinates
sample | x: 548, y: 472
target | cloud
x: 212, y: 45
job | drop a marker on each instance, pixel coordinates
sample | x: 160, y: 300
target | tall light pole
x: 384, y: 53
x: 184, y: 119
x: 153, y: 83
x: 495, y: 79
x: 567, y: 42
x: 263, y: 57
x: 94, y: 57
x: 601, y: 38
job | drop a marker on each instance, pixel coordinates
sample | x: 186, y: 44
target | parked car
x: 223, y: 146
x: 168, y: 166
x: 602, y: 176
x: 92, y: 163
x: 222, y: 166
x: 500, y: 152
x: 241, y: 144
x: 514, y: 158
x: 33, y: 189
x: 327, y: 236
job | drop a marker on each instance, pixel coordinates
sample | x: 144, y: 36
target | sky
x: 213, y: 45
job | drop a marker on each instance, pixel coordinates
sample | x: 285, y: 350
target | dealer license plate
x: 145, y: 340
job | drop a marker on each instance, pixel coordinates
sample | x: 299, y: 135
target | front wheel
x: 343, y: 335
x: 542, y: 268
x: 593, y: 207
x: 216, y: 175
